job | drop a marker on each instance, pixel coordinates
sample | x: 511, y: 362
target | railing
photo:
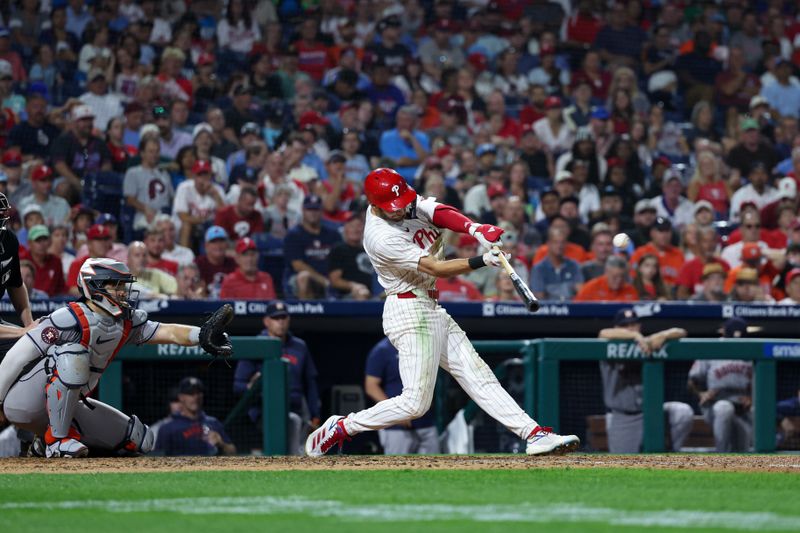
x: 274, y: 380
x: 542, y: 360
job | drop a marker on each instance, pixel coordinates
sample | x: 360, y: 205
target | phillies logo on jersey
x: 155, y: 188
x: 422, y: 235
x: 49, y: 335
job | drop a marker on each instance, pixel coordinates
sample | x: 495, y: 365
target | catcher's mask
x: 5, y: 211
x: 103, y: 280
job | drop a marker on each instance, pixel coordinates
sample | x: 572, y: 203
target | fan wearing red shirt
x: 154, y: 242
x: 247, y: 282
x: 535, y: 110
x: 583, y: 26
x: 99, y: 244
x: 501, y: 124
x: 775, y: 238
x: 690, y: 276
x: 337, y: 192
x: 312, y: 55
x: 457, y: 289
x: 241, y: 219
x: 49, y: 270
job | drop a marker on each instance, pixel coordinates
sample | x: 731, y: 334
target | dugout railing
x: 274, y: 380
x: 543, y: 360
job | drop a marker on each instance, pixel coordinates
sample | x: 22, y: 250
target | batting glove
x: 492, y: 258
x: 486, y: 234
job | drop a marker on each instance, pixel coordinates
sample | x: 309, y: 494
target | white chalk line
x: 524, y: 512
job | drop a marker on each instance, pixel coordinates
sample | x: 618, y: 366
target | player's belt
x: 433, y: 295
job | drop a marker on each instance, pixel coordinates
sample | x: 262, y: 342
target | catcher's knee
x: 72, y: 364
x: 139, y: 438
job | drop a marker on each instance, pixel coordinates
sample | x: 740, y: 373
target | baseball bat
x: 523, y: 290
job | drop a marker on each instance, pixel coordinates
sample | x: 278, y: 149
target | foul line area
x: 349, y: 512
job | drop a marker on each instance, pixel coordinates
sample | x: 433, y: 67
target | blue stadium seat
x: 127, y: 232
x: 103, y: 192
x: 270, y: 251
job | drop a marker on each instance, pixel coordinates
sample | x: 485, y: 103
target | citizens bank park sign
x: 374, y: 308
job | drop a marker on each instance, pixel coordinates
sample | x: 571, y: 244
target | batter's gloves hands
x: 486, y: 234
x: 492, y: 258
x: 213, y: 338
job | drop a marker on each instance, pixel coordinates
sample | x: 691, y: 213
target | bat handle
x: 503, y: 261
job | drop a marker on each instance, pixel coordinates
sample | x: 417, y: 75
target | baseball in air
x: 621, y: 240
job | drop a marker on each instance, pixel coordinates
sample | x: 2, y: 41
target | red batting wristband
x: 448, y: 217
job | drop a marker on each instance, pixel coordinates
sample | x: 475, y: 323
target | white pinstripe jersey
x: 395, y: 248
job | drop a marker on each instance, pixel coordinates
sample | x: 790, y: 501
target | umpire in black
x: 10, y: 276
x: 11, y: 281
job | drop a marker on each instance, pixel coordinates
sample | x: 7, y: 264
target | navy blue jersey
x: 302, y: 377
x: 382, y: 362
x: 313, y: 249
x: 184, y: 436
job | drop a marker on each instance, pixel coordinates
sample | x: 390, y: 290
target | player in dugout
x: 622, y: 388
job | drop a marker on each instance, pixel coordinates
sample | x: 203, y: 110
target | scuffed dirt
x: 707, y: 462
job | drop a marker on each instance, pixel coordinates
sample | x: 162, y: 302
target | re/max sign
x: 174, y: 349
x: 624, y: 350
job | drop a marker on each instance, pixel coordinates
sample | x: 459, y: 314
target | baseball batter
x: 47, y: 376
x: 403, y: 239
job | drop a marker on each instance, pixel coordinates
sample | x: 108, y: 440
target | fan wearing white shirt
x: 670, y: 204
x: 551, y: 129
x: 758, y: 191
x: 197, y: 201
x: 104, y: 104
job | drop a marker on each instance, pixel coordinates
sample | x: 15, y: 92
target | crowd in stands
x: 219, y: 147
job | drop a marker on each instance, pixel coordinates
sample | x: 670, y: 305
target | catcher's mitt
x: 213, y: 338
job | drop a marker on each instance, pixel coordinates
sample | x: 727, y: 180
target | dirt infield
x: 740, y: 463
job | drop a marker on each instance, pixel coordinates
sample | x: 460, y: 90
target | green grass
x: 461, y: 497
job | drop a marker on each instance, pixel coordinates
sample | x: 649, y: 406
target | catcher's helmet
x: 5, y: 211
x: 93, y: 281
x: 388, y: 190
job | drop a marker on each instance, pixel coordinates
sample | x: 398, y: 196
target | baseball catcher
x: 47, y: 376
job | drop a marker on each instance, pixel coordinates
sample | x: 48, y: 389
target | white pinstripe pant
x: 426, y: 338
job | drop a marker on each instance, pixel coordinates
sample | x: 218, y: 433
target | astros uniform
x: 425, y: 336
x: 31, y: 362
x: 731, y: 422
x: 622, y: 395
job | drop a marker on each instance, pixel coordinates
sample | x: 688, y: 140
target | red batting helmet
x: 388, y: 190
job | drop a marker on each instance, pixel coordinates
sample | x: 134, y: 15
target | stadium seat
x: 103, y: 191
x: 126, y: 214
x: 270, y: 250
